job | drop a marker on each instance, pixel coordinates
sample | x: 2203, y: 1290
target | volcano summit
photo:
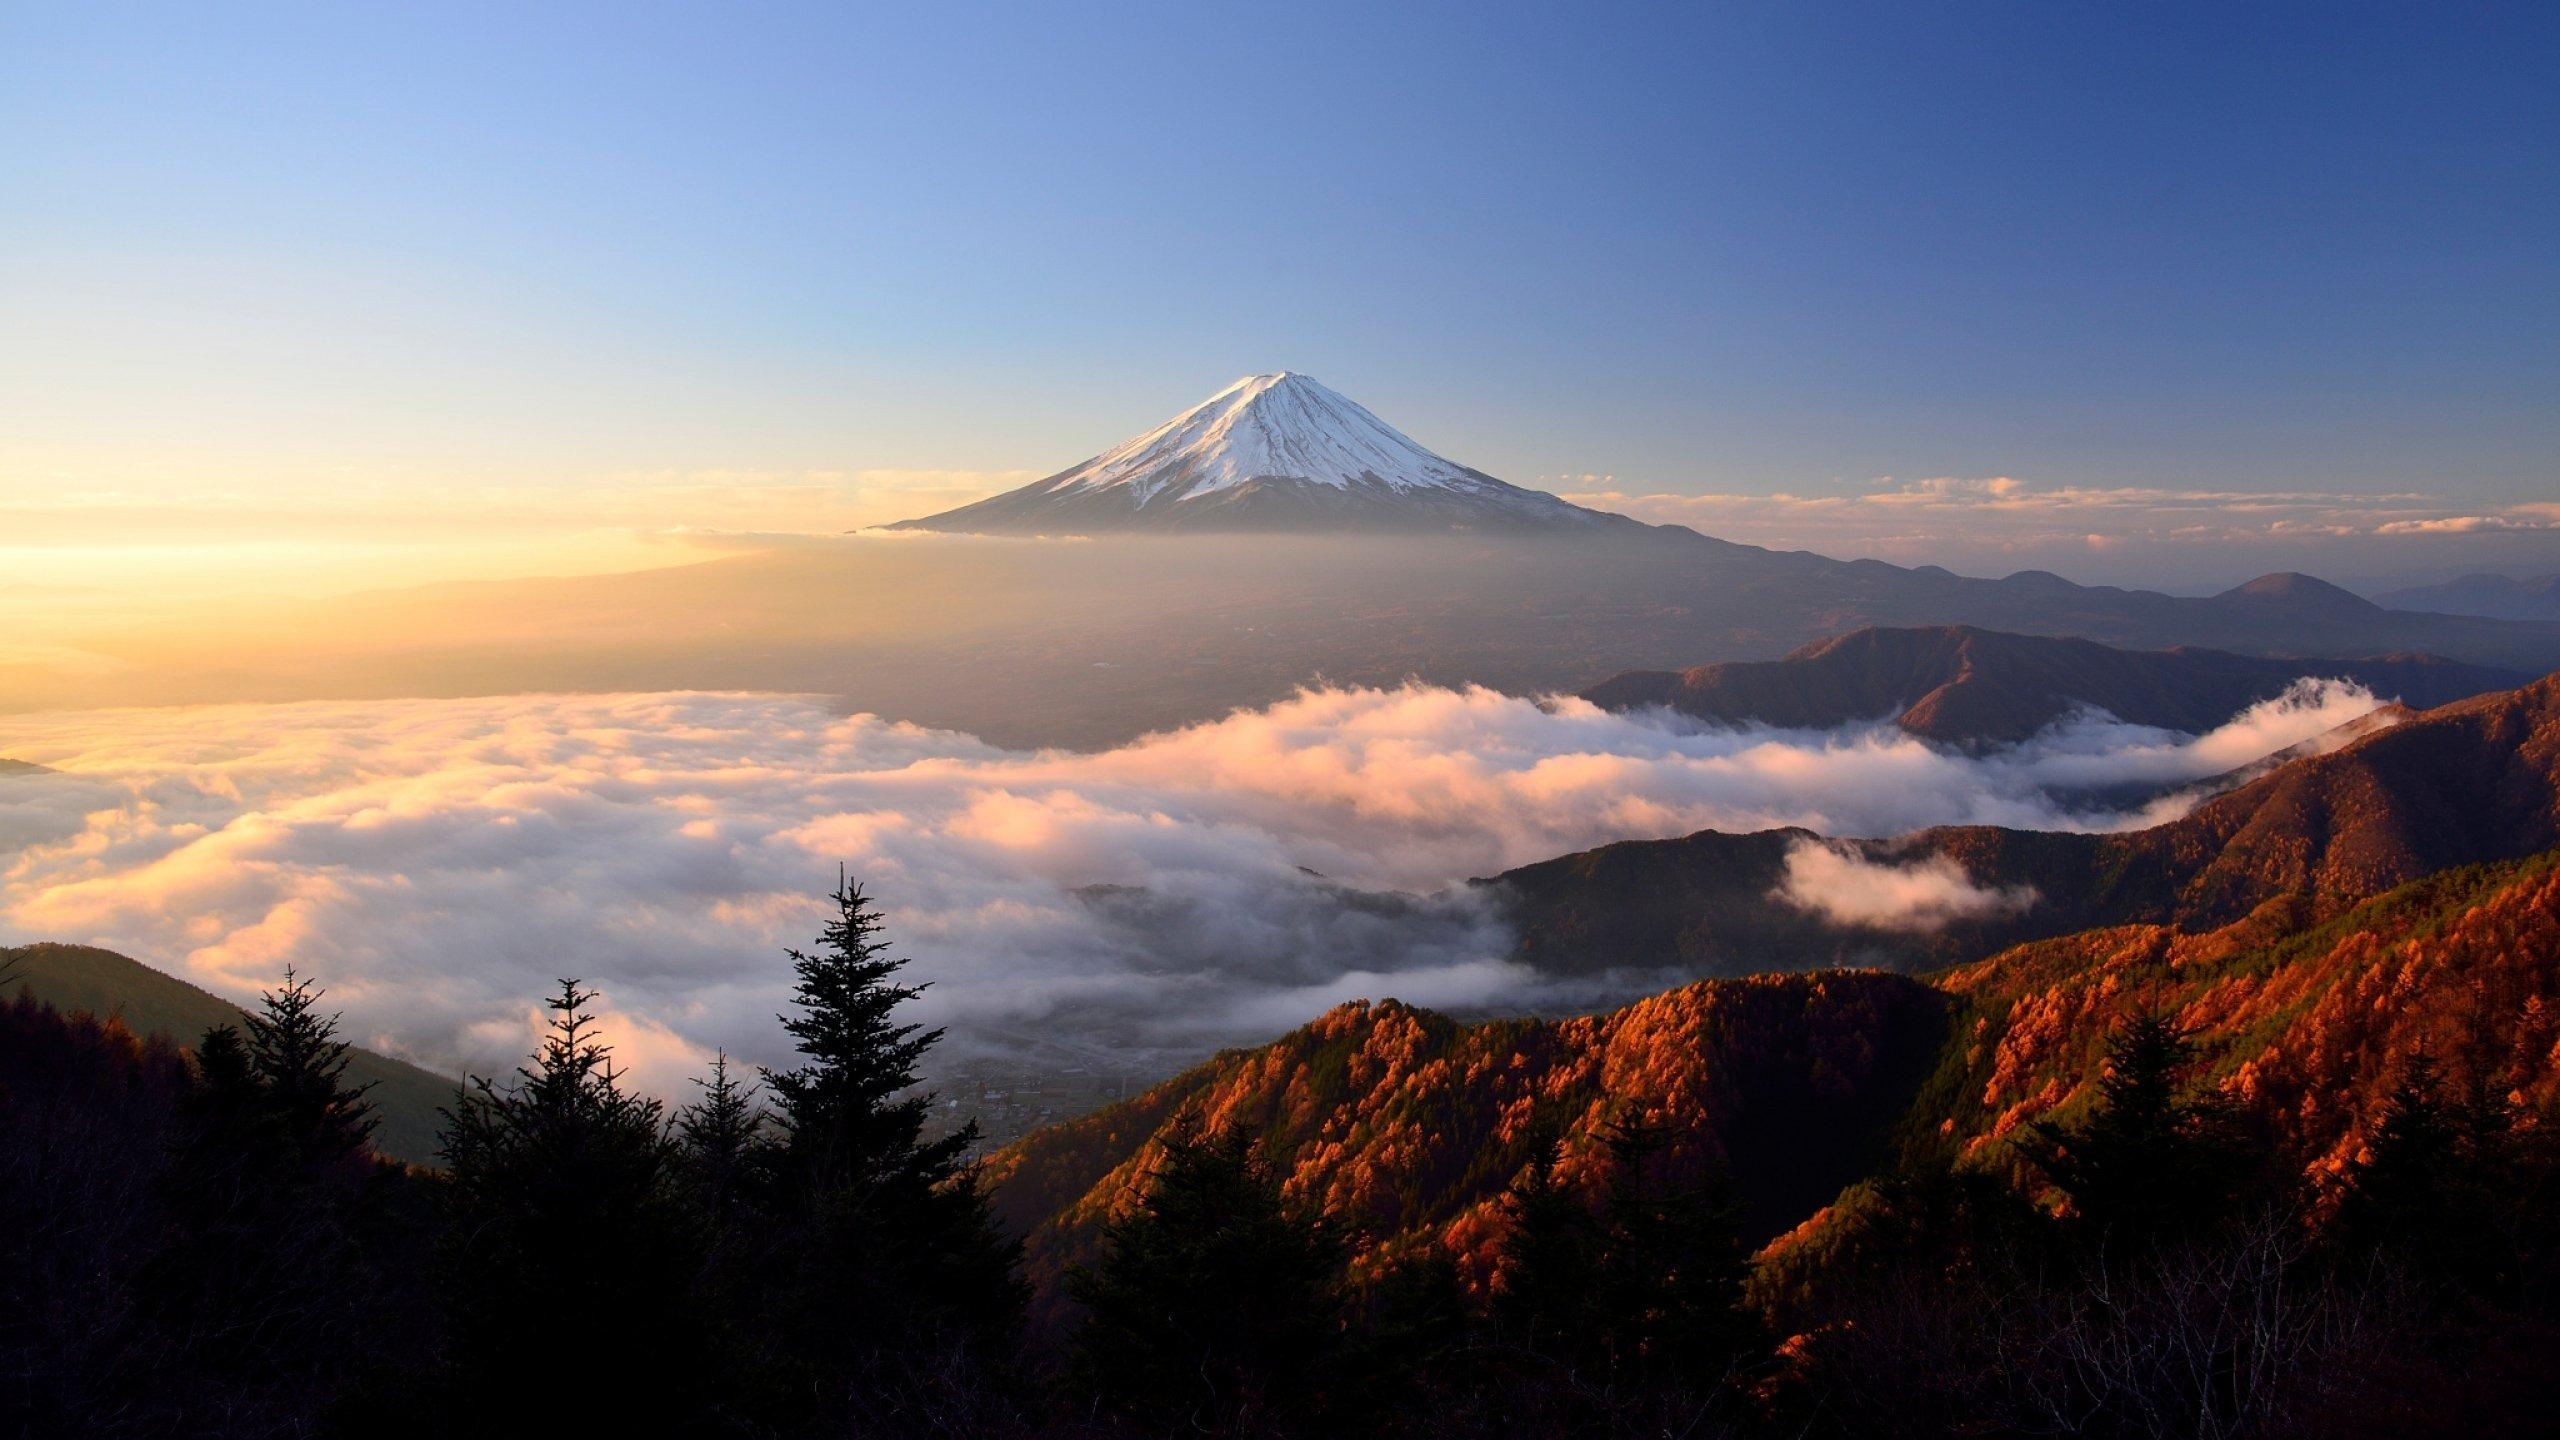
x: 1276, y: 452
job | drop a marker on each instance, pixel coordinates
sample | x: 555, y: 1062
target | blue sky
x: 1728, y: 250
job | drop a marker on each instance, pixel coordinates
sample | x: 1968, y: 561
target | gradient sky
x: 273, y: 261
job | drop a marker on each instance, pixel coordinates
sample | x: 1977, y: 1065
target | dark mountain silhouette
x: 2477, y: 780
x: 2500, y: 597
x: 2308, y: 594
x: 22, y: 767
x: 1961, y: 685
x: 83, y: 978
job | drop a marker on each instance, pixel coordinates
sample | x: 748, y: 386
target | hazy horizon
x: 300, y: 294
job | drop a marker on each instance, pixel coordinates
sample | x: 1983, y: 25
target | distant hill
x: 2478, y: 780
x: 22, y: 767
x: 1960, y: 685
x: 101, y: 982
x: 2501, y: 597
x: 1408, y: 1125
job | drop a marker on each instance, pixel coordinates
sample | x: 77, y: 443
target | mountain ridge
x: 2473, y: 781
x: 1962, y: 684
x: 2306, y: 1017
x: 2496, y: 597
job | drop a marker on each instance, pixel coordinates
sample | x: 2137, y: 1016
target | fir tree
x: 2428, y: 1184
x: 1673, y: 1264
x: 226, y: 1094
x: 892, y: 1246
x: 2396, y: 1188
x: 720, y: 1139
x: 852, y: 1109
x: 1645, y: 1285
x: 569, y: 1252
x: 1216, y: 1307
x: 1544, y: 1299
x: 301, y: 1070
x: 2156, y: 1156
x: 271, y: 1273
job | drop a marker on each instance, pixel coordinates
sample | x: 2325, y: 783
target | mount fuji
x: 1272, y: 453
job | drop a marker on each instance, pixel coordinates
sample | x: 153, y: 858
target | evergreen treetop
x: 852, y: 1111
x: 2156, y: 1155
x: 287, y: 1074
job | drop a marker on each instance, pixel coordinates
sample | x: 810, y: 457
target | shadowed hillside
x: 102, y: 983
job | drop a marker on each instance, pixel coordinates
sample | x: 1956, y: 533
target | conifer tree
x: 226, y: 1090
x: 2156, y: 1156
x: 2427, y: 1183
x: 720, y: 1139
x: 301, y: 1070
x: 1544, y: 1299
x: 569, y: 1253
x: 270, y: 1275
x: 1673, y: 1265
x: 1216, y: 1306
x: 1643, y: 1282
x: 852, y: 1109
x: 892, y: 1243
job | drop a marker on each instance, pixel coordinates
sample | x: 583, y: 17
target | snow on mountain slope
x: 1269, y: 452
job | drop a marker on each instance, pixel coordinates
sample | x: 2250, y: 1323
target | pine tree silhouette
x: 720, y: 1140
x: 268, y: 1288
x: 226, y: 1092
x: 2435, y: 1180
x: 852, y: 1110
x: 569, y: 1253
x: 301, y: 1070
x: 1641, y: 1284
x: 1672, y: 1265
x: 891, y: 1244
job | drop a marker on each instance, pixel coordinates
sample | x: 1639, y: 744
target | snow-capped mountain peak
x: 1278, y: 426
x: 1279, y: 451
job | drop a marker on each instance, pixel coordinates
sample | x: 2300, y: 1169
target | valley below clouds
x: 437, y: 862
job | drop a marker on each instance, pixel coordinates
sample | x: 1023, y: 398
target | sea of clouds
x: 437, y: 862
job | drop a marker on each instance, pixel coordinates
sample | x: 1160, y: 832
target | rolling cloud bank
x: 437, y: 862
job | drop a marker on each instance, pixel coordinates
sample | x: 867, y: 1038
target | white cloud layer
x: 436, y: 862
x: 1920, y: 896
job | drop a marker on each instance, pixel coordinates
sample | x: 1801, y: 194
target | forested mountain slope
x: 1409, y: 1126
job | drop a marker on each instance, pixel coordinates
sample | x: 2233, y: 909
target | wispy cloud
x: 1981, y: 521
